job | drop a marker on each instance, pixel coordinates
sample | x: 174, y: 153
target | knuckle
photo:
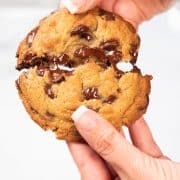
x: 104, y: 144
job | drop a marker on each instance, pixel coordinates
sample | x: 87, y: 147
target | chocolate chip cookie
x: 72, y: 60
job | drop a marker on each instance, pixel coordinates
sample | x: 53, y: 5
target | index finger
x: 142, y: 138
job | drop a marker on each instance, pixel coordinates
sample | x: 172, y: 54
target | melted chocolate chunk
x: 114, y: 57
x: 42, y: 68
x: 30, y: 36
x: 57, y: 76
x: 48, y: 91
x: 86, y: 52
x: 109, y: 45
x: 119, y: 73
x: 110, y: 99
x: 106, y: 15
x: 102, y: 59
x: 48, y: 63
x: 50, y: 115
x: 60, y: 60
x: 134, y: 60
x: 91, y: 93
x: 99, y: 53
x: 83, y: 52
x: 30, y: 60
x: 82, y: 31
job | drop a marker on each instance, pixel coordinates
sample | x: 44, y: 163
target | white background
x: 27, y: 152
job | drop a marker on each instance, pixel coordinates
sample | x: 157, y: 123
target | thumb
x: 79, y: 6
x: 109, y: 143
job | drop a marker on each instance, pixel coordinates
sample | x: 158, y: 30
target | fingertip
x: 79, y: 6
x: 70, y: 6
x: 79, y: 113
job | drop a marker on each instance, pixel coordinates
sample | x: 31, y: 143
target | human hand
x: 108, y: 154
x: 134, y: 11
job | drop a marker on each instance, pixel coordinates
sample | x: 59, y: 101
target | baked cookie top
x: 64, y: 33
x: 72, y: 61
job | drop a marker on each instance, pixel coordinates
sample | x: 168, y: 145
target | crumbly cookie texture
x: 72, y: 61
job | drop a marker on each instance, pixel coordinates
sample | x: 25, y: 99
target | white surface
x: 35, y: 3
x: 27, y: 152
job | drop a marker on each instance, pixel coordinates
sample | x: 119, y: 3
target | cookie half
x: 72, y: 60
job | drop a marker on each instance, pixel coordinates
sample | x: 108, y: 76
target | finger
x: 142, y: 138
x: 123, y: 7
x: 107, y: 141
x: 108, y: 5
x: 90, y: 165
x: 79, y: 6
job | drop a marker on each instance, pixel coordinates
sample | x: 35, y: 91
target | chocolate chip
x: 48, y: 91
x: 57, y: 76
x: 103, y: 60
x: 50, y: 115
x: 42, y: 68
x: 30, y: 60
x: 106, y: 15
x: 82, y: 31
x: 86, y: 52
x: 114, y: 57
x: 30, y: 36
x: 60, y: 60
x: 134, y: 60
x: 91, y: 93
x: 110, y: 99
x: 99, y: 53
x: 109, y: 45
x: 119, y: 73
x: 83, y: 52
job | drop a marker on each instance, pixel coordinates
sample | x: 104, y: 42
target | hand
x: 134, y: 11
x: 108, y: 154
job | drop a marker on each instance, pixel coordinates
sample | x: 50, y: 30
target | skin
x: 107, y: 155
x: 134, y: 11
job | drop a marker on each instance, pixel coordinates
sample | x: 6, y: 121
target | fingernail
x: 79, y: 112
x: 70, y: 6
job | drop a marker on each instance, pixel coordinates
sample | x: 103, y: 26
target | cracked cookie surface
x: 63, y: 32
x: 72, y: 61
